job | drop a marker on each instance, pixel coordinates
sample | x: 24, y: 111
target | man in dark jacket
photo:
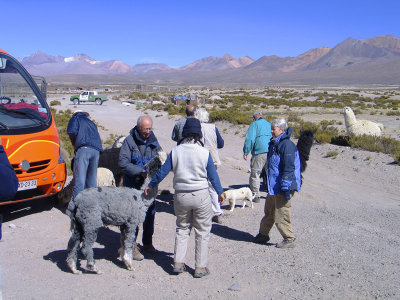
x: 177, y: 130
x: 139, y: 148
x: 8, y: 179
x: 283, y: 178
x: 87, y: 144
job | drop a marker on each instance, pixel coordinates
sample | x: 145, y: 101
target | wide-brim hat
x: 80, y: 111
x: 192, y: 126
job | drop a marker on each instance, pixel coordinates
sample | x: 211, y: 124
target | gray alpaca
x: 119, y: 206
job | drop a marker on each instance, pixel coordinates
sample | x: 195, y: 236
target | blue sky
x: 178, y: 32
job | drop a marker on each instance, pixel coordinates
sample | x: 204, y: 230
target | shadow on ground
x: 18, y: 210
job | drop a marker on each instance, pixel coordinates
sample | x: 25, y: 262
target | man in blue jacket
x: 8, y: 179
x: 283, y: 178
x: 87, y: 144
x: 257, y: 141
x: 139, y: 147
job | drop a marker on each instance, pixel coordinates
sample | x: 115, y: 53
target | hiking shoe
x: 201, y: 272
x: 136, y: 254
x: 256, y: 199
x: 217, y: 219
x: 286, y: 244
x: 179, y: 268
x: 149, y: 248
x: 261, y: 239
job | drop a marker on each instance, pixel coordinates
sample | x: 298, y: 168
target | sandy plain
x: 346, y: 220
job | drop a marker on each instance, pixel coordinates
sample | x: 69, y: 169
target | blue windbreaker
x: 283, y: 165
x: 83, y: 132
x: 257, y: 137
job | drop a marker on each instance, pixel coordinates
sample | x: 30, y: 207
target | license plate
x: 27, y: 185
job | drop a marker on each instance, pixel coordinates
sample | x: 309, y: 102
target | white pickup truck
x: 88, y: 96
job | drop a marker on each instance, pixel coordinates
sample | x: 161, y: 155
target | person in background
x: 193, y: 168
x: 283, y: 178
x: 212, y: 141
x: 139, y: 147
x: 257, y: 140
x: 177, y: 130
x: 86, y: 141
x: 8, y: 178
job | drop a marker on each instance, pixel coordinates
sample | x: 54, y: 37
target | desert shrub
x: 137, y: 95
x: 332, y: 154
x: 386, y: 145
x: 62, y: 118
x: 55, y: 102
x: 157, y: 107
x: 323, y: 132
x: 393, y: 113
x: 175, y: 110
x: 231, y: 115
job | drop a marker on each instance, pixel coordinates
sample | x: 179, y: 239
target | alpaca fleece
x: 304, y: 145
x: 118, y: 206
x: 360, y: 127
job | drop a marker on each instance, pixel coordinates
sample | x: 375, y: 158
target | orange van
x: 28, y: 133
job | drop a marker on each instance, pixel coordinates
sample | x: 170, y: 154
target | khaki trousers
x: 192, y: 209
x: 277, y: 210
x: 257, y: 163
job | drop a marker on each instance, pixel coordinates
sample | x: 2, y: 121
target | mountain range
x: 353, y: 61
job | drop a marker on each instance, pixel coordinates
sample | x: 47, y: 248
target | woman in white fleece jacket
x: 193, y: 167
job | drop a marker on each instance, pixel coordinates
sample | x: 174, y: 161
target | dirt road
x: 346, y: 220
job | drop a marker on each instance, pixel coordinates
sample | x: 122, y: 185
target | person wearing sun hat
x: 87, y: 144
x: 193, y: 166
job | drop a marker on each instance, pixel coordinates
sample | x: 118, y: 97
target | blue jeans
x: 85, y: 169
x: 148, y: 226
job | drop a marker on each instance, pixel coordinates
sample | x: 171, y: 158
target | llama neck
x: 349, y: 119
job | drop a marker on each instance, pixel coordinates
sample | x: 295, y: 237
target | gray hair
x: 280, y: 123
x: 140, y: 120
x: 202, y: 115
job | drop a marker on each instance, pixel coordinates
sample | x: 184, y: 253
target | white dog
x: 239, y: 194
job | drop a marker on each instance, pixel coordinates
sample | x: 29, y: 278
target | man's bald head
x: 144, y: 126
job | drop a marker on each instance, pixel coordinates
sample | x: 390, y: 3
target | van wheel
x: 98, y: 101
x: 76, y: 101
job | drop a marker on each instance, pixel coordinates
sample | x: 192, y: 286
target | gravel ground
x: 346, y: 220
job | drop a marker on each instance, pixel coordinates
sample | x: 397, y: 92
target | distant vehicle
x: 28, y: 132
x: 88, y: 96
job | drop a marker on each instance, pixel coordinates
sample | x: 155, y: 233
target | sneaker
x: 256, y: 199
x: 201, y: 272
x: 179, y: 268
x: 286, y: 244
x: 217, y: 219
x: 149, y: 248
x: 136, y: 254
x: 261, y: 239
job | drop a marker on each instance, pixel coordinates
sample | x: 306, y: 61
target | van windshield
x: 21, y: 104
